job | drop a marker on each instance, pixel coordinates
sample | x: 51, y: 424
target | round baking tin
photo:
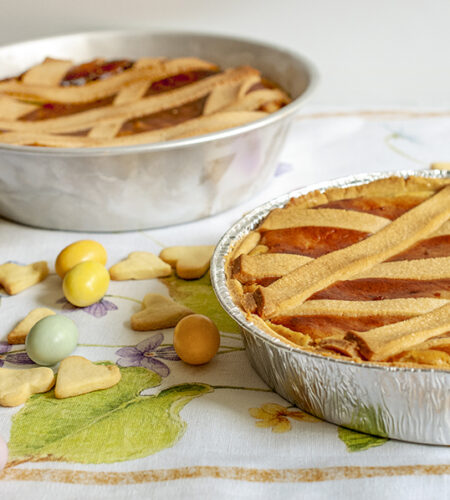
x: 149, y: 185
x: 401, y: 403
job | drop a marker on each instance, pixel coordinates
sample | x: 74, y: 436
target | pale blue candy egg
x: 51, y: 339
x: 3, y: 453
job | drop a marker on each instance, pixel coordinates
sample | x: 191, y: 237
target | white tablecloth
x: 174, y: 431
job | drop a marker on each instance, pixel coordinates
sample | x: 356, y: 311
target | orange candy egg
x: 196, y: 339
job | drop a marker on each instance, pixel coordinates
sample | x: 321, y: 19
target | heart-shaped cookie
x: 190, y: 262
x: 19, y: 333
x: 139, y: 266
x: 78, y: 375
x: 16, y: 386
x: 14, y: 277
x: 158, y: 311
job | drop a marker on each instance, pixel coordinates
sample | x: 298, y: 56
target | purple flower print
x: 283, y: 168
x: 98, y: 310
x: 4, y: 348
x: 145, y: 353
x: 17, y: 358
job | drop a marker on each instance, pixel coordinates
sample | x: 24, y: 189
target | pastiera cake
x: 121, y: 103
x: 359, y: 273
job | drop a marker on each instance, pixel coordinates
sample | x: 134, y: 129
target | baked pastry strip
x: 381, y: 343
x: 296, y: 287
x: 100, y: 89
x: 355, y: 308
x: 341, y: 346
x: 254, y: 268
x: 251, y: 268
x: 441, y: 342
x: 12, y: 109
x: 418, y: 269
x: 196, y: 126
x: 325, y: 217
x: 49, y: 73
x: 223, y: 96
x: 419, y: 187
x: 247, y: 244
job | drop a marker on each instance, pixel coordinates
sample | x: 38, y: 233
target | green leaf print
x: 357, y: 441
x: 199, y: 296
x: 104, y: 426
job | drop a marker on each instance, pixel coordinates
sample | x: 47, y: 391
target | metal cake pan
x: 401, y: 403
x: 149, y: 185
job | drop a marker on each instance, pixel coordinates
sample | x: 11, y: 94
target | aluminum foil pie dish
x: 138, y: 186
x: 400, y: 402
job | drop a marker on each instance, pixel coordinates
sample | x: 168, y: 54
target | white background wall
x: 369, y: 52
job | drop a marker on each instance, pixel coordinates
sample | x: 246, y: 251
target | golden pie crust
x: 359, y: 273
x: 147, y: 101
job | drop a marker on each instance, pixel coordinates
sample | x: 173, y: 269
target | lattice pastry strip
x: 197, y: 126
x: 12, y: 109
x: 323, y: 217
x: 47, y: 74
x: 382, y: 343
x: 254, y: 268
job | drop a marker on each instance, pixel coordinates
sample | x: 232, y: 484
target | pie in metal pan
x: 359, y: 273
x: 318, y: 343
x: 124, y: 103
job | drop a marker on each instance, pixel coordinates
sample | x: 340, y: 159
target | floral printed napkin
x: 169, y: 430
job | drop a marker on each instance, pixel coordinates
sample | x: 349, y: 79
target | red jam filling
x: 319, y: 327
x: 163, y: 119
x: 310, y: 241
x: 383, y: 288
x: 390, y: 208
x: 94, y: 70
x: 439, y: 246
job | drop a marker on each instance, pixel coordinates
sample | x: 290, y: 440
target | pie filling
x: 390, y: 208
x: 122, y: 102
x: 393, y: 305
x: 319, y: 327
x: 385, y: 288
x: 310, y: 241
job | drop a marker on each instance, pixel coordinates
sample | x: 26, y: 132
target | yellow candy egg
x: 77, y: 252
x: 86, y: 283
x: 196, y: 339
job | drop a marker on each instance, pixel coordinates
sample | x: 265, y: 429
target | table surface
x: 174, y: 431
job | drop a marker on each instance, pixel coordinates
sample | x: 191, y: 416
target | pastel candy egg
x: 77, y: 252
x: 196, y: 339
x: 3, y: 453
x: 51, y: 339
x: 86, y: 283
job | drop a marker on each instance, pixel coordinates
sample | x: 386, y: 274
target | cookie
x: 158, y: 311
x: 140, y: 266
x: 19, y: 333
x: 15, y: 278
x: 16, y: 386
x: 78, y: 375
x: 190, y: 262
x: 443, y: 165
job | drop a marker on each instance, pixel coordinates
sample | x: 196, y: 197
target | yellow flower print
x: 277, y: 416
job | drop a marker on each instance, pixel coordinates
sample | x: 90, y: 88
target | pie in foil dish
x: 121, y: 103
x: 359, y: 273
